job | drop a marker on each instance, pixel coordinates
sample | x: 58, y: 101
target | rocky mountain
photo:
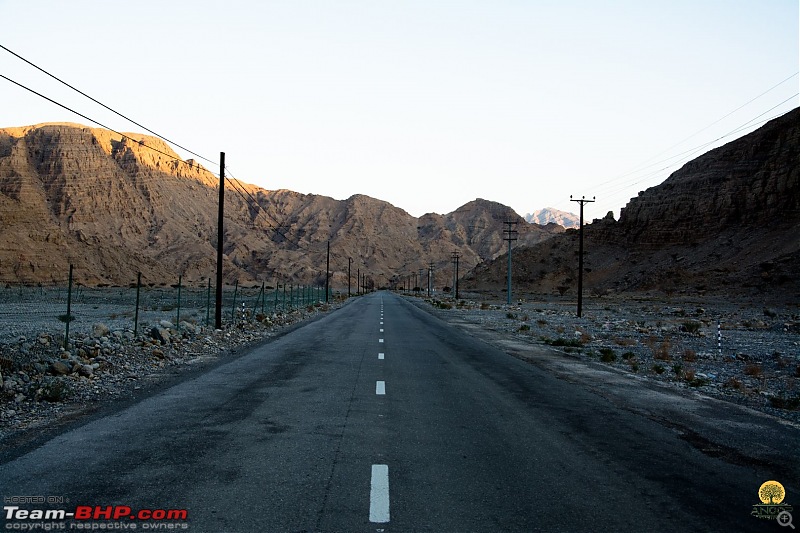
x: 550, y: 215
x: 725, y: 223
x: 115, y: 205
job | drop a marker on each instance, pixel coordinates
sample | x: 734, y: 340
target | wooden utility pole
x: 220, y: 237
x: 510, y: 235
x: 582, y: 201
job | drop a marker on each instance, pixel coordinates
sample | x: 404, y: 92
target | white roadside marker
x: 379, y: 494
x: 380, y: 388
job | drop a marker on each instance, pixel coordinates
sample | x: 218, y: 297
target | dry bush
x: 661, y: 350
x: 688, y: 374
x: 689, y: 355
x: 619, y: 341
x: 734, y: 383
x: 753, y: 370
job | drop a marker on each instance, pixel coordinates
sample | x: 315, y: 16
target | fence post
x: 233, y: 307
x: 208, y: 302
x: 136, y: 312
x: 275, y: 307
x: 69, y: 309
x: 178, y: 323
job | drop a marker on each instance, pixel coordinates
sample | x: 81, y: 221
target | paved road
x: 381, y: 417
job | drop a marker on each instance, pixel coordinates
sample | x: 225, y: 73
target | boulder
x: 159, y: 334
x: 60, y: 368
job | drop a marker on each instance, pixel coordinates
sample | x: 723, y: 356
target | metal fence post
x: 233, y: 307
x: 208, y: 302
x: 136, y: 312
x: 178, y: 323
x: 69, y: 309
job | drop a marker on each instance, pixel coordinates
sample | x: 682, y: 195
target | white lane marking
x: 380, y: 388
x: 380, y: 355
x: 381, y: 331
x: 379, y: 494
x: 380, y: 340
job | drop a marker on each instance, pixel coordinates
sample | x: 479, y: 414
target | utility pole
x: 327, y: 270
x: 510, y: 235
x: 349, y: 262
x: 582, y: 201
x: 220, y: 237
x: 455, y: 256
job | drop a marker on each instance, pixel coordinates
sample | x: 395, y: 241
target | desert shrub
x: 677, y: 368
x: 782, y: 402
x: 620, y: 341
x: 572, y: 343
x: 628, y: 356
x: 661, y: 350
x: 753, y: 370
x: 511, y: 316
x: 658, y: 368
x: 734, y: 383
x: 689, y: 355
x: 485, y: 306
x: 542, y: 322
x: 691, y: 327
x: 607, y: 355
x: 524, y: 327
x: 54, y: 390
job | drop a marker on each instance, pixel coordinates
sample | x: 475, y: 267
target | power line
x: 105, y: 106
x: 141, y: 143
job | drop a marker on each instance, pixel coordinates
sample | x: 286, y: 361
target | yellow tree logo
x: 771, y: 492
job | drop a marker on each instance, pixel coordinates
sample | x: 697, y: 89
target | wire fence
x: 27, y: 311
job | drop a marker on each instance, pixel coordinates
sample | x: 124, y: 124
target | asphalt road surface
x: 381, y: 417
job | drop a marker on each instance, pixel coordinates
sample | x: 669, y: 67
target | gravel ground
x: 675, y: 342
x: 41, y: 383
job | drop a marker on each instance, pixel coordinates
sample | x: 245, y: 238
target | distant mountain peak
x: 550, y: 215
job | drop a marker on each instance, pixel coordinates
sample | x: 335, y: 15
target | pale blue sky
x: 425, y: 104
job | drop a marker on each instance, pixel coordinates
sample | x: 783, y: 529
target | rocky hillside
x: 113, y: 206
x: 725, y: 222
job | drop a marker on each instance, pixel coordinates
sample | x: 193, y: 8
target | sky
x: 426, y: 104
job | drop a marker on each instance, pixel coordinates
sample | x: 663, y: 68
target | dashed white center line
x: 379, y: 494
x: 380, y: 355
x: 381, y: 330
x: 380, y: 388
x: 380, y: 340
